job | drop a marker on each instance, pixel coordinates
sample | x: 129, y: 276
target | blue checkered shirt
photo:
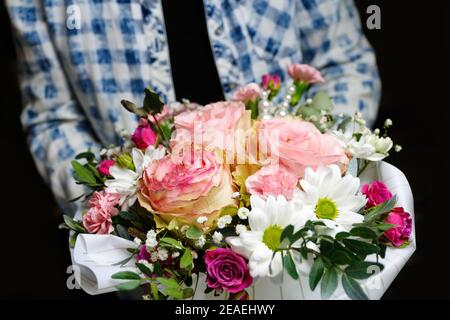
x: 79, y: 58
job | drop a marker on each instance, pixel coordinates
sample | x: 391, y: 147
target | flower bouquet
x: 254, y: 198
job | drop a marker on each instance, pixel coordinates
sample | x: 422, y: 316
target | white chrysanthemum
x: 331, y: 198
x: 125, y: 180
x: 267, y: 220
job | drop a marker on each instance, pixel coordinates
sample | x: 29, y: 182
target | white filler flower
x: 125, y: 180
x: 331, y: 198
x: 267, y: 219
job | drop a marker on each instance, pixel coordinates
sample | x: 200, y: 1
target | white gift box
x: 95, y: 257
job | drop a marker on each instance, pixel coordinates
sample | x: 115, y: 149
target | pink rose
x: 104, y: 166
x: 305, y: 73
x: 101, y: 209
x: 215, y: 126
x: 376, y: 193
x: 143, y: 136
x: 272, y: 180
x: 185, y: 185
x: 402, y: 232
x: 227, y: 270
x: 298, y: 144
x: 247, y: 93
x: 271, y: 82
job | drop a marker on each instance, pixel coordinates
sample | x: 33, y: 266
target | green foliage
x: 193, y: 233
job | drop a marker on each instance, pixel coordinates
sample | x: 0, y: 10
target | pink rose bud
x: 376, y: 193
x: 166, y: 113
x: 104, y: 166
x: 247, y: 93
x: 402, y: 232
x: 271, y: 82
x: 143, y: 136
x: 227, y: 270
x: 305, y: 73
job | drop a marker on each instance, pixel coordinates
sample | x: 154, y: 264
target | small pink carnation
x: 377, y: 193
x: 272, y: 180
x: 271, y: 82
x: 247, y: 93
x: 101, y: 209
x: 305, y: 73
x: 104, y: 166
x: 401, y: 233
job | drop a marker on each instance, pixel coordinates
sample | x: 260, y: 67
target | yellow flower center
x: 271, y: 237
x: 326, y: 209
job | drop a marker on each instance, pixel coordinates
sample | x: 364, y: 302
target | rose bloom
x: 247, y: 93
x: 305, y: 73
x: 376, y: 193
x: 103, y: 167
x: 402, y: 232
x: 272, y: 180
x: 227, y: 270
x: 185, y: 185
x: 298, y: 144
x: 101, y: 209
x: 221, y: 125
x: 143, y: 136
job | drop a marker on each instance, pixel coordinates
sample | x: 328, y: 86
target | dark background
x: 413, y: 56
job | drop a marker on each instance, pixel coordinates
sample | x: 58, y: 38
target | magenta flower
x: 377, y: 193
x: 143, y: 136
x: 305, y: 73
x: 271, y: 82
x: 402, y: 232
x: 104, y: 166
x: 227, y: 270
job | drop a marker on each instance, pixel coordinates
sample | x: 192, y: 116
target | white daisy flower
x: 267, y: 220
x: 331, y: 198
x: 125, y: 180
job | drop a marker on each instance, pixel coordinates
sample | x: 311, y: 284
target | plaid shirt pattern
x: 79, y: 58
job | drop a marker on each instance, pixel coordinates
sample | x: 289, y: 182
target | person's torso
x: 115, y: 48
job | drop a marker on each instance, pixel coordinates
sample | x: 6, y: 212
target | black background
x: 413, y: 56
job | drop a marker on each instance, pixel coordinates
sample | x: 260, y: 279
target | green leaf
x: 82, y: 174
x: 74, y: 225
x: 152, y: 102
x: 130, y: 285
x: 375, y: 212
x: 188, y: 293
x: 383, y: 227
x: 289, y: 265
x: 126, y: 275
x: 363, y: 232
x: 122, y: 232
x: 342, y: 235
x: 194, y: 233
x: 353, y: 289
x: 316, y: 273
x: 174, y: 293
x: 329, y: 283
x: 168, y: 283
x: 171, y: 242
x: 287, y: 232
x: 360, y: 247
x: 155, y: 292
x: 228, y: 211
x: 89, y: 156
x: 131, y: 107
x: 186, y: 259
x: 129, y: 216
x: 73, y: 240
x: 158, y: 269
x: 363, y: 269
x: 298, y: 235
x: 340, y: 257
x: 144, y: 269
